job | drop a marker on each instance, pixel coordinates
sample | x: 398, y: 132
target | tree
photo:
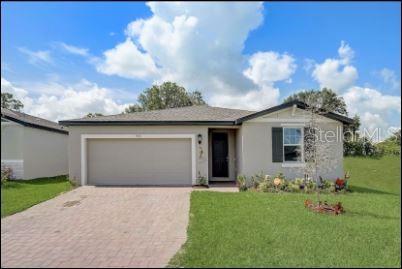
x: 8, y: 101
x: 351, y: 130
x: 397, y: 137
x: 318, y: 153
x: 166, y: 95
x: 331, y: 102
x: 133, y: 108
x: 196, y: 98
x: 93, y: 115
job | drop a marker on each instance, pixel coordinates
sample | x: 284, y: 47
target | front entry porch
x: 222, y: 155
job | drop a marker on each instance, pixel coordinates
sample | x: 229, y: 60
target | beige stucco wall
x: 77, y: 131
x: 255, y: 143
x: 12, y: 156
x: 11, y: 141
x: 45, y: 153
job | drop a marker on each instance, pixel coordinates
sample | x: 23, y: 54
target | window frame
x: 301, y: 144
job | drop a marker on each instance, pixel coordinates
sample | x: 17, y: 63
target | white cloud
x: 19, y: 93
x: 376, y: 110
x: 70, y: 101
x: 74, y: 50
x: 254, y: 100
x: 337, y: 74
x: 390, y: 78
x: 269, y: 67
x: 265, y: 68
x: 346, y: 53
x: 190, y: 44
x: 370, y: 99
x: 36, y: 57
x: 127, y: 61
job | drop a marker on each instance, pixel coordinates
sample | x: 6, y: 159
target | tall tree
x: 133, y: 108
x: 351, y: 130
x: 329, y: 99
x: 166, y: 95
x: 8, y: 101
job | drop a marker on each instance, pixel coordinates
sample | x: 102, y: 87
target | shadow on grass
x: 358, y: 189
x: 362, y: 214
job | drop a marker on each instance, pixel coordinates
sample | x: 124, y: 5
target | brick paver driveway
x: 98, y: 227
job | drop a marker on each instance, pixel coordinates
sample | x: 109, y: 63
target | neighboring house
x: 176, y: 146
x: 33, y: 147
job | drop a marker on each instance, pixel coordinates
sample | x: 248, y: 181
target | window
x: 292, y: 144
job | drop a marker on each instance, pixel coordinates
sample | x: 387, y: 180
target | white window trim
x: 85, y: 137
x: 293, y: 163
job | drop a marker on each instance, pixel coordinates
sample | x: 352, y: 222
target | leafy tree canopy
x: 166, y: 95
x: 329, y: 99
x: 8, y: 101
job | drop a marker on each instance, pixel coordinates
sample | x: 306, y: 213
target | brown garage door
x: 139, y: 161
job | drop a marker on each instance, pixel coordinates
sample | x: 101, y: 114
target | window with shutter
x: 293, y: 144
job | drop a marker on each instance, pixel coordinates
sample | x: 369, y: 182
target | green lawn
x: 20, y: 195
x: 275, y: 230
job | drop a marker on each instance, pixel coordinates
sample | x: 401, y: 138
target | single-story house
x: 177, y: 146
x: 33, y: 147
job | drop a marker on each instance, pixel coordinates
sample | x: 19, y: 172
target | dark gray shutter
x: 277, y: 144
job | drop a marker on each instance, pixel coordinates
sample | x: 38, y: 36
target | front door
x: 220, y: 155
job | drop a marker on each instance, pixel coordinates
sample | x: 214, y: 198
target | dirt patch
x: 71, y: 203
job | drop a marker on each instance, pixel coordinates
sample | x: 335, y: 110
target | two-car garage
x: 143, y: 160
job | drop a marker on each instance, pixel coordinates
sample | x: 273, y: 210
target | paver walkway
x: 98, y: 227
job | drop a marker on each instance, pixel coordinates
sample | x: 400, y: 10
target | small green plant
x: 256, y: 180
x: 265, y: 186
x: 6, y: 174
x: 242, y: 183
x: 201, y: 180
x: 279, y: 183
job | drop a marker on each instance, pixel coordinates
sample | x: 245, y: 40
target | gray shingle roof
x: 194, y: 114
x: 31, y: 121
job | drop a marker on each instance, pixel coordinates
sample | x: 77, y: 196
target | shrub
x: 293, y: 187
x: 362, y: 147
x: 256, y: 180
x: 202, y: 181
x: 265, y: 186
x: 6, y: 174
x: 279, y: 183
x: 242, y: 183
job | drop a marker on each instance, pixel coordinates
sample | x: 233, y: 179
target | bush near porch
x: 252, y: 229
x: 278, y: 184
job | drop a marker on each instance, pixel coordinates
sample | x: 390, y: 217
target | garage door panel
x: 139, y: 161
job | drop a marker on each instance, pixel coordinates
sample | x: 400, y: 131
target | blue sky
x: 239, y: 55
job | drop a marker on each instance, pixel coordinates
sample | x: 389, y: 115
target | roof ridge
x: 147, y: 111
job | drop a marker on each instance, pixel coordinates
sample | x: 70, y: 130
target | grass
x: 275, y: 230
x: 20, y: 195
x: 390, y: 146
